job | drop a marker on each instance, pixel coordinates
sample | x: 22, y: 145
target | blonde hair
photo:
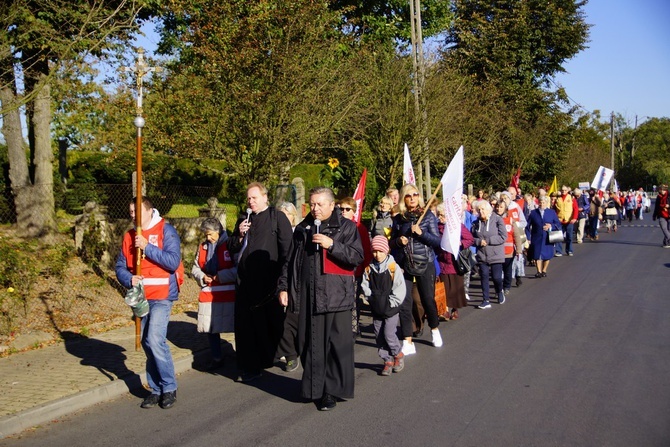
x: 386, y: 200
x: 291, y: 212
x: 408, y: 189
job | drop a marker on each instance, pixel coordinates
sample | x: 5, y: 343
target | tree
x: 260, y: 85
x: 518, y: 43
x: 38, y: 38
x: 388, y: 21
x: 650, y: 163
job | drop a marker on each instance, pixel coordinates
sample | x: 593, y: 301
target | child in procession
x: 384, y: 286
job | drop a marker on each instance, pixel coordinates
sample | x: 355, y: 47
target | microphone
x: 317, y: 224
x: 248, y: 214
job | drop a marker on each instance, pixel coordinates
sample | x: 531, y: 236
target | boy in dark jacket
x: 384, y: 285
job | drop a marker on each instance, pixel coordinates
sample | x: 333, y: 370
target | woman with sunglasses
x: 413, y: 244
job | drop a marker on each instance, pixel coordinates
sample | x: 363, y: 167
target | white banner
x: 452, y: 190
x: 407, y: 169
x: 602, y: 179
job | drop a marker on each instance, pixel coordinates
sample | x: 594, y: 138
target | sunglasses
x: 345, y: 208
x: 414, y: 194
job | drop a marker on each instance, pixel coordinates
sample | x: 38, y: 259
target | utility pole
x: 418, y: 80
x: 140, y: 69
x: 612, y: 149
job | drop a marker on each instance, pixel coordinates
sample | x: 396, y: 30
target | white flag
x: 602, y: 179
x: 407, y: 170
x: 452, y: 190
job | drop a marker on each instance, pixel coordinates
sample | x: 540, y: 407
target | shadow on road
x: 108, y: 358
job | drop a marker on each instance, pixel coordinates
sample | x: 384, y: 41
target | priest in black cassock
x: 318, y: 283
x: 260, y: 242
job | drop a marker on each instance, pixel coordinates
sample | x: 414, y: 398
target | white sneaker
x: 408, y: 348
x: 437, y: 338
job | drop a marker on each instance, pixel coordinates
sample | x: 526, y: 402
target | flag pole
x: 425, y: 210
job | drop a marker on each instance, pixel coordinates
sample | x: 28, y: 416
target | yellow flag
x: 553, y: 187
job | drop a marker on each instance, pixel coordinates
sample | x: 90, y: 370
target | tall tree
x: 258, y: 84
x: 37, y: 37
x: 517, y: 43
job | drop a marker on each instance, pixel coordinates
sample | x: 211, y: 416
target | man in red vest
x: 161, y: 258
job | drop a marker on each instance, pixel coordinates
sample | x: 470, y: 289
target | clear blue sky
x: 626, y: 69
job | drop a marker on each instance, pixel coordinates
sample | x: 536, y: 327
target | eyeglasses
x: 345, y: 208
x: 414, y: 194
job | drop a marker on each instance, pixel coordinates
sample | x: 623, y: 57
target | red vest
x: 217, y: 292
x: 509, y: 242
x: 156, y: 279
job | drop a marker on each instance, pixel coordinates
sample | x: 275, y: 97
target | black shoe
x: 518, y: 282
x: 417, y: 334
x: 215, y: 364
x: 150, y: 401
x: 328, y: 402
x: 168, y: 399
x: 247, y: 377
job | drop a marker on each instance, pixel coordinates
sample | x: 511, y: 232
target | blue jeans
x: 487, y: 271
x: 665, y: 228
x: 568, y: 229
x: 160, y: 369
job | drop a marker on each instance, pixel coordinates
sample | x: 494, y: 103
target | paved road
x: 580, y: 358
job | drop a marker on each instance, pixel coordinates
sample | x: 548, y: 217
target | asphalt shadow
x: 108, y: 358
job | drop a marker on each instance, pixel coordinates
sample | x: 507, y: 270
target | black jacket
x: 333, y: 293
x: 423, y: 247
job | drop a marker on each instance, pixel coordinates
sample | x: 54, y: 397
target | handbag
x: 464, y: 261
x: 412, y: 264
x: 556, y: 236
x: 440, y: 297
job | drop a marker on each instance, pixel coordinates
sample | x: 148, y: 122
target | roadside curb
x: 18, y: 422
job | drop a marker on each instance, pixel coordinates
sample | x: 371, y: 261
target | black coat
x: 332, y: 292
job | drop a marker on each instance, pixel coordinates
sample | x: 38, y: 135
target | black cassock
x: 325, y: 339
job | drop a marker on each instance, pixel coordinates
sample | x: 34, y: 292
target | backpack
x: 392, y: 267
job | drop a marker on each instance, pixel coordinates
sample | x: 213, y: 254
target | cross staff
x: 140, y: 69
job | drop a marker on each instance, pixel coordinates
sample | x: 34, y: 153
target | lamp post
x: 140, y: 69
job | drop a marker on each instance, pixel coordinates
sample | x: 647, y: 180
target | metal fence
x: 176, y: 201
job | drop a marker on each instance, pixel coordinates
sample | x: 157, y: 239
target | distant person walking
x: 662, y: 213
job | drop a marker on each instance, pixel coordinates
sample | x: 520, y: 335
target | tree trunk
x: 16, y: 149
x: 39, y: 219
x: 34, y: 202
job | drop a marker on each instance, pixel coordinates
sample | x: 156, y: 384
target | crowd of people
x: 292, y: 288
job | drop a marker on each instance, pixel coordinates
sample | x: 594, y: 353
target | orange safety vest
x: 156, y: 279
x: 217, y: 292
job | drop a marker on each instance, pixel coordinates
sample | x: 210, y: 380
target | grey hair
x: 211, y: 224
x: 485, y: 206
x: 323, y: 190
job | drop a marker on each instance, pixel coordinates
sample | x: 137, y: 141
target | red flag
x: 359, y: 196
x: 515, y: 178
